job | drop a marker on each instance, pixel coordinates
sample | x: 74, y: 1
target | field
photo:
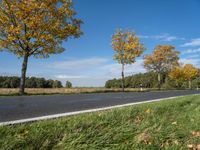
x: 170, y: 124
x: 11, y: 91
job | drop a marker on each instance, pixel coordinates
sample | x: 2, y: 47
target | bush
x: 68, y: 84
x: 31, y: 82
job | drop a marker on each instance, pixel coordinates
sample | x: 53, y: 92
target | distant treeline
x: 149, y: 80
x: 31, y: 82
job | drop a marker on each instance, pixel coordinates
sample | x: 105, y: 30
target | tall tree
x: 190, y: 72
x: 36, y: 28
x: 162, y: 60
x: 127, y: 46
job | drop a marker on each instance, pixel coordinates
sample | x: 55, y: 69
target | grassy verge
x: 171, y: 124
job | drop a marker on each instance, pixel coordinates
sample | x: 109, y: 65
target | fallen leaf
x: 194, y: 146
x: 174, y: 123
x: 148, y: 111
x: 196, y: 133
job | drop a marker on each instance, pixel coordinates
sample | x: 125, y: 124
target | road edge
x: 54, y: 116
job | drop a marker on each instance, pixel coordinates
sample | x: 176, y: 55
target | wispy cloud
x: 78, y: 63
x: 91, y: 71
x: 114, y: 69
x: 193, y: 42
x: 163, y: 37
x: 191, y: 51
x: 192, y: 61
x: 69, y: 76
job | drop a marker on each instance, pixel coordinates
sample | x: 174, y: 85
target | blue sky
x: 87, y: 61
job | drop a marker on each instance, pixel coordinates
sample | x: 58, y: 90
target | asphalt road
x: 15, y: 108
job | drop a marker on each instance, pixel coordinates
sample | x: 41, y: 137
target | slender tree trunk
x: 23, y: 75
x: 123, y: 78
x: 190, y: 84
x: 159, y: 81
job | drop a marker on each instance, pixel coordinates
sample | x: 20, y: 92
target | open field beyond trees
x: 32, y: 91
x: 170, y: 124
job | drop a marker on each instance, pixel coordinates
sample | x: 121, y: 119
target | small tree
x: 57, y: 84
x: 68, y: 84
x: 127, y: 47
x: 184, y: 73
x: 36, y: 28
x: 162, y: 60
x: 177, y: 75
x: 190, y: 72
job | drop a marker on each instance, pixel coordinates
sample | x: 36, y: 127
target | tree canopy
x: 36, y: 27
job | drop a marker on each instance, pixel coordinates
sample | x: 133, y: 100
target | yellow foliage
x: 163, y: 58
x: 36, y: 27
x: 127, y: 47
x: 186, y: 72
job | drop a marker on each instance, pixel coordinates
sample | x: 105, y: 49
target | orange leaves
x: 176, y: 73
x: 196, y: 133
x: 189, y: 71
x: 163, y: 58
x: 186, y: 72
x: 145, y: 138
x: 39, y: 26
x: 127, y: 46
x: 194, y: 146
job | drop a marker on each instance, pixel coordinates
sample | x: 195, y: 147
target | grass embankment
x: 171, y: 124
x: 48, y: 91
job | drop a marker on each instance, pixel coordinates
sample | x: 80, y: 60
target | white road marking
x: 82, y: 111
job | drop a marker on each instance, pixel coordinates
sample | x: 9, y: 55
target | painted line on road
x: 83, y: 111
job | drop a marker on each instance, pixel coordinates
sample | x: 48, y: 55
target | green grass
x: 161, y: 125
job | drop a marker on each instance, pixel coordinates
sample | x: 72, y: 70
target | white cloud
x: 194, y: 62
x: 193, y: 42
x: 191, y: 51
x: 91, y: 71
x: 144, y: 36
x: 78, y: 63
x: 69, y: 76
x: 114, y: 70
x: 163, y: 37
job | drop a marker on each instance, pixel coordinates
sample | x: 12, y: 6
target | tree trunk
x: 159, y: 81
x: 23, y: 75
x: 190, y: 84
x: 123, y: 78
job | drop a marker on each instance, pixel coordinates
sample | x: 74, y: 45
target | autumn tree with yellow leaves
x: 184, y: 73
x: 36, y: 28
x: 162, y: 60
x: 127, y: 47
x: 177, y: 75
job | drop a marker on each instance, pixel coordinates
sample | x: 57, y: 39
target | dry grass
x: 10, y: 91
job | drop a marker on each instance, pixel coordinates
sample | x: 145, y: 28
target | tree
x: 49, y: 83
x: 190, y: 72
x: 36, y: 28
x: 162, y: 60
x: 177, y: 74
x: 68, y: 84
x: 57, y: 84
x: 127, y: 47
x: 184, y: 73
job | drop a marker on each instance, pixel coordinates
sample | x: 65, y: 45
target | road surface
x: 17, y: 108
